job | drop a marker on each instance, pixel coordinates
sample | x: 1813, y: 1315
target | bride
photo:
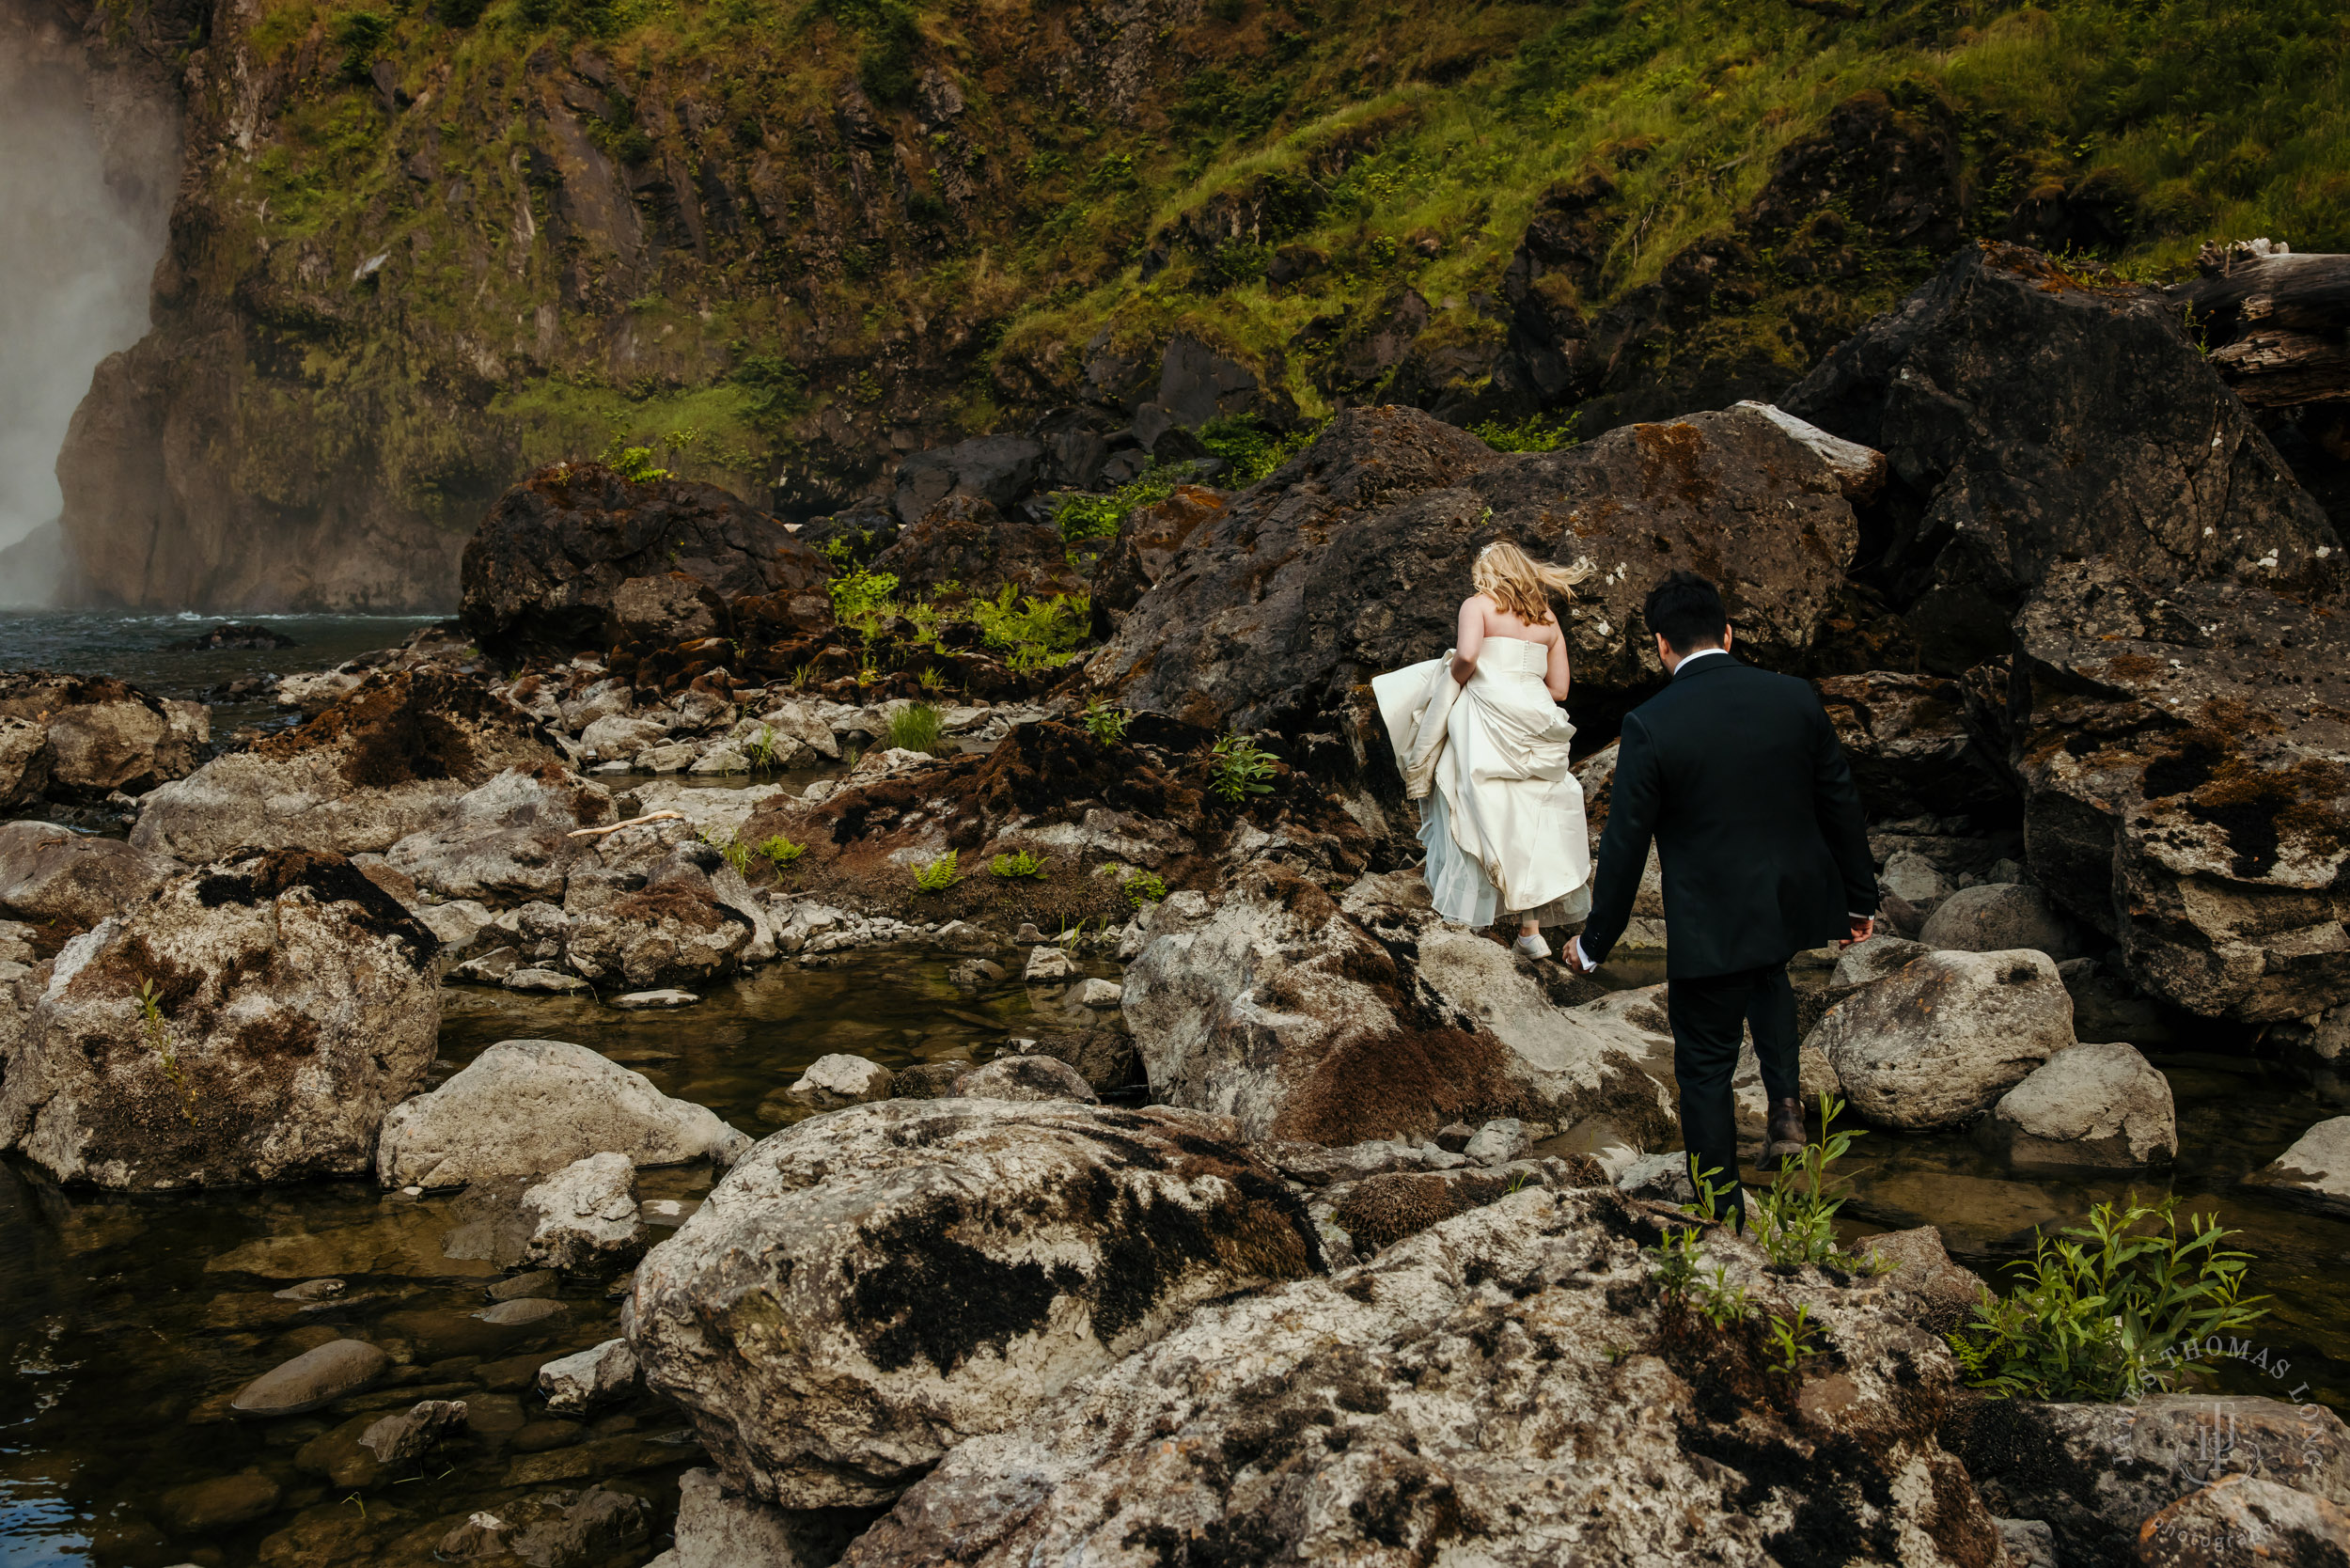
x: 1482, y: 744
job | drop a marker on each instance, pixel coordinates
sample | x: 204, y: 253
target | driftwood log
x: 2277, y: 325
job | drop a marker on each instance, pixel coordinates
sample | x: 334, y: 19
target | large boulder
x: 81, y: 737
x: 49, y: 873
x: 1939, y: 1041
x: 1911, y: 752
x: 718, y: 1528
x: 1353, y: 557
x: 530, y: 1107
x: 1506, y: 1388
x: 1994, y: 916
x: 2184, y: 755
x: 2245, y: 1520
x: 1287, y: 1012
x: 509, y: 838
x: 966, y: 543
x: 871, y: 1287
x: 2314, y: 1174
x: 254, y: 1021
x: 2097, y: 1103
x: 542, y: 573
x: 1148, y: 541
x: 996, y: 469
x: 2096, y: 1473
x: 384, y: 760
x: 2036, y: 413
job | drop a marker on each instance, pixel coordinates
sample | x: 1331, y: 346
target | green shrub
x: 1795, y: 1218
x: 780, y: 852
x: 360, y: 35
x: 1142, y: 887
x: 633, y: 463
x: 1252, y: 451
x: 936, y: 876
x: 1038, y: 633
x: 2102, y: 1307
x: 1084, y: 517
x: 1105, y: 724
x: 858, y: 595
x: 914, y: 726
x: 1536, y: 434
x: 1237, y: 769
x: 1016, y: 864
x: 736, y: 852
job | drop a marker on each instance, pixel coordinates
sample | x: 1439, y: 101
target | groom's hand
x: 1863, y: 927
x: 1574, y: 956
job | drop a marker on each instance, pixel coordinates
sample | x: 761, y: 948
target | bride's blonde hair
x: 1521, y: 584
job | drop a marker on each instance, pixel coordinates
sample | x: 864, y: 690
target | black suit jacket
x: 1737, y: 774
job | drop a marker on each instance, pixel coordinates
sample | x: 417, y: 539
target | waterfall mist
x: 88, y: 163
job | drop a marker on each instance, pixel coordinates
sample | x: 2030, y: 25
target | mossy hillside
x: 768, y: 234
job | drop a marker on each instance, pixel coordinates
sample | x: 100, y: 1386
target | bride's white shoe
x: 1532, y: 947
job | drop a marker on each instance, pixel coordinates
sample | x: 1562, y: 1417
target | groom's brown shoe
x: 1785, y: 1137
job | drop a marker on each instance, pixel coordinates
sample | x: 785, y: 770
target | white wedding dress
x: 1501, y: 815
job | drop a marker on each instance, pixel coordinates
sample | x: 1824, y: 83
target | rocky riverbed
x: 711, y: 1058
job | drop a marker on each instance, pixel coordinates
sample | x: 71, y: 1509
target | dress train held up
x: 1501, y: 814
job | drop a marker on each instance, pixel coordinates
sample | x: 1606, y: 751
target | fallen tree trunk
x: 2275, y: 324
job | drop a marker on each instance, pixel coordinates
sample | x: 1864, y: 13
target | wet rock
x: 585, y: 1214
x: 253, y: 1021
x: 2096, y: 1473
x: 964, y: 543
x: 553, y: 1529
x: 314, y: 1378
x: 1350, y: 560
x: 678, y: 930
x: 1924, y: 1284
x: 1026, y: 1077
x: 2098, y: 1104
x: 1098, y: 992
x: 2244, y: 1521
x: 924, y: 1080
x: 81, y: 738
x: 812, y: 1393
x: 1103, y: 1057
x: 543, y: 570
x: 524, y: 1107
x: 1433, y: 1394
x: 400, y: 1441
x: 1284, y: 1011
x: 312, y: 1289
x: 636, y: 1000
x: 1939, y: 1042
x: 216, y: 1506
x: 2157, y: 466
x: 1995, y: 918
x: 574, y: 1383
x: 546, y: 1436
x: 996, y: 469
x: 521, y: 1313
x: 2105, y: 1006
x: 1149, y: 540
x: 2029, y: 1543
x: 1046, y: 964
x: 665, y: 610
x: 975, y: 974
x: 507, y: 841
x: 537, y: 1282
x: 2314, y: 1174
x: 1906, y: 739
x: 51, y: 874
x: 837, y: 1080
x: 2178, y: 749
x: 716, y: 1528
x: 546, y: 982
x: 383, y: 761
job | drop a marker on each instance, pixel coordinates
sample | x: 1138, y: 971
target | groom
x: 1738, y: 776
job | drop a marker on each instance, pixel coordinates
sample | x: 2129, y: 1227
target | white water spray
x: 86, y: 171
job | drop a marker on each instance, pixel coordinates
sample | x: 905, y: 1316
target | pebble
x: 1047, y: 963
x: 1099, y: 992
x: 552, y: 981
x: 315, y: 1377
x: 671, y: 997
x: 311, y: 1290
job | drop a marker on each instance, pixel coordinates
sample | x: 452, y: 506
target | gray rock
x: 1103, y: 1057
x: 47, y: 872
x: 716, y: 1528
x: 1879, y: 956
x: 571, y: 1385
x: 457, y: 923
x: 653, y: 999
x: 2096, y: 1473
x: 553, y: 1529
x: 525, y: 1107
x: 405, y: 1438
x: 1497, y: 1142
x: 2314, y: 1174
x: 546, y: 982
x: 520, y: 1287
x: 2029, y: 1543
x: 1098, y: 992
x: 2100, y: 1105
x: 617, y: 738
x: 799, y: 1314
x: 1939, y: 1042
x: 1663, y: 1178
x: 293, y: 1004
x: 1046, y: 964
x: 1282, y: 1009
x: 1997, y: 917
x: 522, y: 1312
x: 837, y: 1080
x: 2244, y: 1521
x: 218, y: 1505
x: 584, y: 1215
x: 507, y: 839
x: 1433, y: 1395
x: 315, y: 1378
x: 1026, y: 1077
x: 1915, y: 880
x: 489, y: 968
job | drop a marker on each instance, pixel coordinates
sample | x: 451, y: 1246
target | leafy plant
x: 1143, y: 888
x: 1791, y: 1341
x: 633, y: 463
x: 736, y: 852
x: 1105, y: 724
x: 2102, y: 1306
x: 936, y: 876
x: 762, y: 750
x: 359, y: 35
x: 915, y: 727
x: 1020, y: 863
x: 1795, y: 1218
x: 1534, y: 433
x: 933, y: 678
x: 1238, y: 768
x: 1673, y: 1261
x: 1036, y: 633
x: 802, y: 676
x: 159, y: 1040
x: 1083, y: 517
x: 1720, y: 1302
x: 1249, y: 450
x: 859, y: 594
x: 780, y: 852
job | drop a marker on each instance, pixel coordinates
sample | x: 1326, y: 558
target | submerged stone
x: 314, y: 1378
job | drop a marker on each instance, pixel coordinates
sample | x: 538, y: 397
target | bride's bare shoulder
x: 1481, y: 603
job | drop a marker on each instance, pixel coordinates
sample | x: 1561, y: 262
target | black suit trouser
x: 1709, y: 1017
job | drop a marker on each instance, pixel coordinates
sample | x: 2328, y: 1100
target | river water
x: 126, y: 1321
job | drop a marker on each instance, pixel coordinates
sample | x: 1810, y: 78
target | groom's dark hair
x: 1686, y: 611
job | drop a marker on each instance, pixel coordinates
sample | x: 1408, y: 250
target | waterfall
x: 88, y: 161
